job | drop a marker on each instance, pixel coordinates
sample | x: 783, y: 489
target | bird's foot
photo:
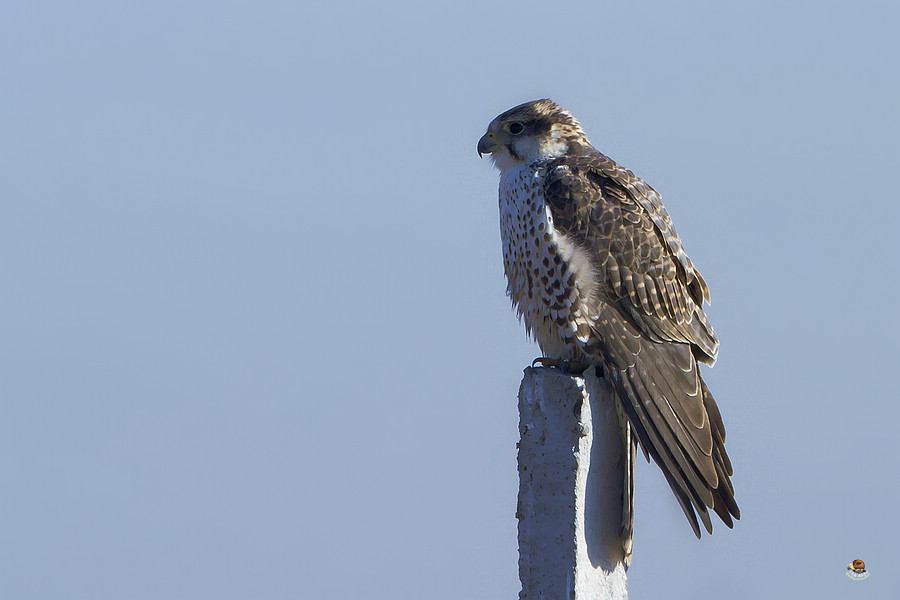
x: 566, y: 366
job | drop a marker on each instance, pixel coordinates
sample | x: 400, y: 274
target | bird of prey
x: 599, y: 277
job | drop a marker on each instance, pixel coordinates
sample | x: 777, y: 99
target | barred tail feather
x: 673, y: 416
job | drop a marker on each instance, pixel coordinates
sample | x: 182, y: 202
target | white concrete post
x: 571, y: 484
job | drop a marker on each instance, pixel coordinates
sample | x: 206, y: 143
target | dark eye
x: 515, y: 128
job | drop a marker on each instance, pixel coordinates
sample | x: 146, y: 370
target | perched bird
x: 599, y: 277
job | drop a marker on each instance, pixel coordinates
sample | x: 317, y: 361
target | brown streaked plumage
x: 599, y: 276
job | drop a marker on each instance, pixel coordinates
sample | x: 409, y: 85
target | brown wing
x: 624, y: 226
x: 649, y: 326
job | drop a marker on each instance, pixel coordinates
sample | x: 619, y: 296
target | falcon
x: 599, y: 277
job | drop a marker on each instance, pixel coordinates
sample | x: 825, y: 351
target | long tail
x: 674, y: 417
x: 627, y: 531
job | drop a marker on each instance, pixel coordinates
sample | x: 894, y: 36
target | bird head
x: 536, y: 130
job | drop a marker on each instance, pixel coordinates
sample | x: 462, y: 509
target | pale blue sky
x: 255, y: 342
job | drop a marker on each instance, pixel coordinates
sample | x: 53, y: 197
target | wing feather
x: 649, y: 326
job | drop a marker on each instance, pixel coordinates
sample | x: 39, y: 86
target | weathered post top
x: 574, y: 472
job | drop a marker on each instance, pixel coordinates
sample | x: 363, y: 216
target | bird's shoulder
x: 607, y: 207
x: 586, y: 191
x: 621, y: 225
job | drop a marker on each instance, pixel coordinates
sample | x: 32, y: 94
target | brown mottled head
x: 536, y: 130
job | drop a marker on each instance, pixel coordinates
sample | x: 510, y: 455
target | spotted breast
x: 549, y: 278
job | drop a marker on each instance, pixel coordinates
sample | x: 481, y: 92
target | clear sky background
x: 255, y: 342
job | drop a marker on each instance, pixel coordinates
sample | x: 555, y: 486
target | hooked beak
x: 487, y: 144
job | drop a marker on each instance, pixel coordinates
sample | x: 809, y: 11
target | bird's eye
x: 515, y: 128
